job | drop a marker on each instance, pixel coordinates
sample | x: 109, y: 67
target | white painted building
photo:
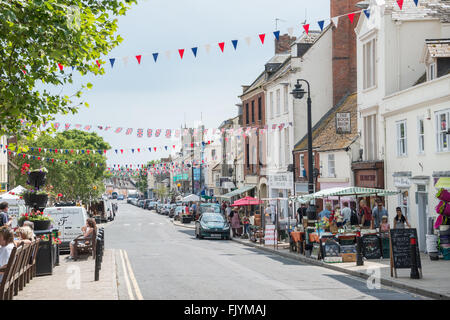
x: 398, y: 118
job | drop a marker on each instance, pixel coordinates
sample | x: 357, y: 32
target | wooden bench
x: 7, y: 283
x: 85, y: 246
x: 31, y: 268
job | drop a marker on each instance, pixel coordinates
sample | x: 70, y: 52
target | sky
x: 172, y: 92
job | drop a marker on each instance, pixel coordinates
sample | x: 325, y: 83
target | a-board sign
x: 270, y: 235
x: 401, y: 250
x: 331, y: 249
x: 371, y: 246
x: 315, y: 253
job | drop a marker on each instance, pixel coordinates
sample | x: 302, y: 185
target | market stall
x: 335, y: 241
x: 439, y: 244
x: 247, y: 202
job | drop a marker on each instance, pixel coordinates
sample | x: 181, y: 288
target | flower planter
x: 37, y: 178
x: 42, y: 224
x: 35, y: 200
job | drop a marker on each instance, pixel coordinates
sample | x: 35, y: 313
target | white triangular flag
x: 45, y: 150
x: 125, y: 61
x: 207, y: 48
x: 167, y: 54
x: 335, y: 21
x: 248, y: 40
x: 290, y: 31
x: 78, y: 151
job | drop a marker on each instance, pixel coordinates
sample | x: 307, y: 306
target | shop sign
x: 270, y: 235
x: 343, y: 123
x: 402, y: 182
x: 281, y: 181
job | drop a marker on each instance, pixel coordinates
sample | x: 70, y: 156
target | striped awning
x: 348, y: 191
x: 236, y: 192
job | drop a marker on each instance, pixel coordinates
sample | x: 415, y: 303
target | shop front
x: 281, y: 186
x: 369, y: 174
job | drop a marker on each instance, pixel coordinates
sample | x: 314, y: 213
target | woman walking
x: 235, y: 223
x: 400, y: 220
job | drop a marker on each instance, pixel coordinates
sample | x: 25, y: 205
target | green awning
x: 236, y: 192
x: 443, y: 183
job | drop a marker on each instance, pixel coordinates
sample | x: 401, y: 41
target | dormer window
x: 431, y: 72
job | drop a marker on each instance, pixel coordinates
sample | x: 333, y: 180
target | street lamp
x: 299, y: 93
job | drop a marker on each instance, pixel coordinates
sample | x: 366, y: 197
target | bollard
x: 359, y: 255
x: 97, y: 262
x: 414, y: 269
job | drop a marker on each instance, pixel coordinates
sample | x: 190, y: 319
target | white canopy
x: 348, y: 191
x: 191, y: 198
x: 13, y: 196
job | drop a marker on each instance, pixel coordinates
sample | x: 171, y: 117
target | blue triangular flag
x: 367, y: 13
x: 150, y: 149
x: 32, y: 149
x: 277, y: 34
x: 234, y: 43
x: 115, y: 150
x: 416, y: 2
x: 194, y: 51
x: 321, y: 24
x: 132, y: 150
x: 155, y: 56
x: 112, y: 60
x: 165, y: 147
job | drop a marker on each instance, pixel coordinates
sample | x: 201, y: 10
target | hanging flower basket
x: 40, y: 221
x: 35, y: 199
x: 37, y: 178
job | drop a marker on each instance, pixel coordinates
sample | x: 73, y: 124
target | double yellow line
x: 129, y: 276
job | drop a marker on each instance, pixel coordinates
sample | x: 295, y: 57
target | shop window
x: 369, y: 64
x: 302, y: 172
x: 370, y: 137
x: 421, y: 135
x: 331, y: 166
x: 285, y: 99
x: 246, y: 113
x: 431, y: 71
x: 253, y: 111
x: 260, y: 108
x: 271, y: 106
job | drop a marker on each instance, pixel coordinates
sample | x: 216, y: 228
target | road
x: 158, y: 260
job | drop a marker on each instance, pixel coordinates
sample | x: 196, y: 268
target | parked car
x: 212, y: 224
x: 179, y: 210
x: 120, y: 197
x: 172, y: 207
x: 140, y: 203
x: 165, y: 210
x: 147, y: 203
x: 134, y: 201
x: 152, y: 205
x: 210, y: 207
x: 159, y: 207
x: 69, y: 221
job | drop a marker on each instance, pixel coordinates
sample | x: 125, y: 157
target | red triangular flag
x: 121, y: 150
x: 98, y: 63
x: 181, y: 52
x: 138, y: 59
x: 174, y: 146
x: 154, y: 148
x: 60, y: 66
x: 261, y: 37
x: 351, y: 16
x: 306, y: 27
x: 400, y: 4
x: 222, y: 45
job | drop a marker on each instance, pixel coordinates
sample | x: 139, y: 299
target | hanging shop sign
x: 343, y: 122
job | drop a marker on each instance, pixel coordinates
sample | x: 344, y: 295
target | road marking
x: 161, y: 223
x: 127, y: 282
x: 133, y: 279
x: 126, y: 225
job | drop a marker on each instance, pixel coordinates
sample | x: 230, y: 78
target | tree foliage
x: 75, y: 181
x: 36, y: 36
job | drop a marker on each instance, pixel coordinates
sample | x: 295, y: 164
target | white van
x: 68, y: 220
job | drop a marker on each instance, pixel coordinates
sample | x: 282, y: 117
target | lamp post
x: 299, y: 93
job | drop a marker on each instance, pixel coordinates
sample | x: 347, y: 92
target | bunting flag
x: 60, y: 66
x: 194, y: 51
x: 234, y: 42
x: 181, y: 52
x: 222, y: 45
x: 67, y: 126
x: 400, y: 4
x: 87, y: 128
x: 118, y: 130
x: 149, y: 133
x: 207, y: 48
x: 168, y: 55
x: 290, y: 31
x: 138, y: 58
x: 157, y: 133
x: 112, y: 60
x: 335, y: 21
x: 262, y: 37
x: 177, y: 133
x: 320, y: 23
x: 416, y: 2
x: 248, y: 40
x: 98, y: 63
x: 56, y: 125
x: 155, y: 56
x: 277, y: 35
x: 140, y: 133
x: 306, y: 28
x: 351, y: 16
x: 125, y: 61
x: 367, y: 13
x: 168, y: 133
x: 129, y: 131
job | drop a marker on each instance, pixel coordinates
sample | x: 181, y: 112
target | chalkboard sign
x: 401, y: 250
x: 371, y: 246
x: 331, y: 249
x: 315, y: 251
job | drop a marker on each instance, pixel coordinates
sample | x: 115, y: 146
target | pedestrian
x: 6, y: 246
x: 235, y: 223
x: 325, y: 212
x: 268, y: 215
x: 366, y: 215
x: 400, y: 220
x: 346, y: 213
x: 186, y: 209
x: 378, y: 212
x: 5, y: 220
x: 228, y: 211
x: 300, y: 213
x: 384, y: 226
x: 246, y: 222
x: 354, y: 219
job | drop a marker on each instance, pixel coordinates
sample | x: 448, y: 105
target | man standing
x: 228, y: 211
x: 378, y: 212
x: 301, y: 212
x: 325, y: 212
x: 346, y: 213
x: 4, y: 219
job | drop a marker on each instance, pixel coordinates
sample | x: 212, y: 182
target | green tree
x: 77, y: 181
x: 36, y: 37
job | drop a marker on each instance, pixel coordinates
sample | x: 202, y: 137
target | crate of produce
x: 348, y: 257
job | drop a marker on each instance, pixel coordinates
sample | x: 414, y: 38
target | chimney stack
x: 283, y: 44
x: 344, y: 48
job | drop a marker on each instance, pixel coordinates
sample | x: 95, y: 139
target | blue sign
x: 196, y: 174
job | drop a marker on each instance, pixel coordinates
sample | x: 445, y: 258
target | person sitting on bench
x: 88, y: 231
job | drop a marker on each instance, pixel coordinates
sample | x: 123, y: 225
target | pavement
x: 435, y: 282
x: 74, y: 280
